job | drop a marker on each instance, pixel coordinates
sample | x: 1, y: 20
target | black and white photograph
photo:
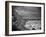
x: 25, y: 18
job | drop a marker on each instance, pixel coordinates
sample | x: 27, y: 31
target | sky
x: 32, y: 12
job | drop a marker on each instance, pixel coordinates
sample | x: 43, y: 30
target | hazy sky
x: 28, y: 11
